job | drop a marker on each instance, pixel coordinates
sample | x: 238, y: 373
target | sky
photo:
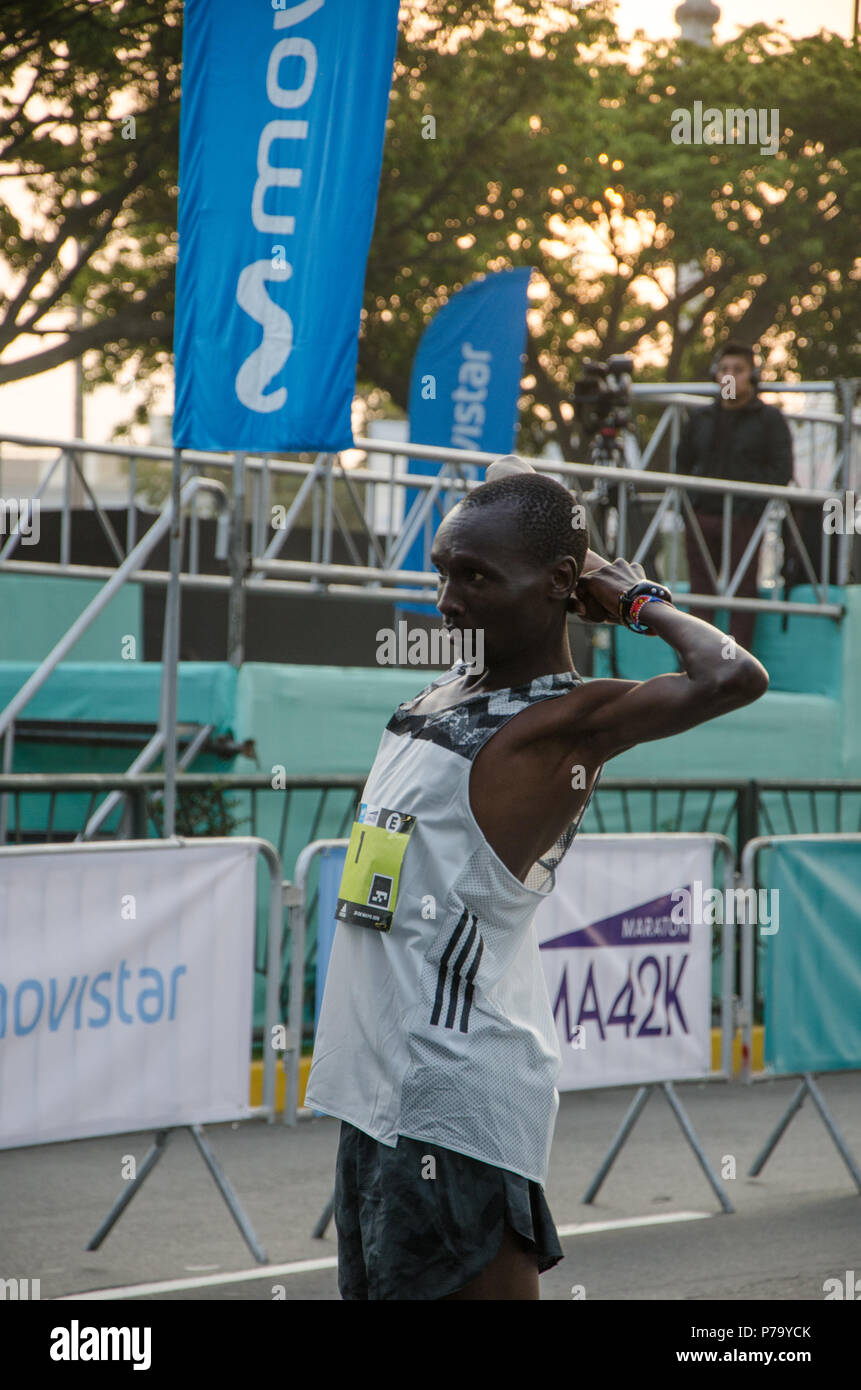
x: 800, y: 16
x: 45, y: 404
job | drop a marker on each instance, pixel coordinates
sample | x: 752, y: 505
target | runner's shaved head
x: 544, y: 510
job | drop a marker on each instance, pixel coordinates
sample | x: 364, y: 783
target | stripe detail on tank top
x: 455, y: 978
x: 456, y: 973
x: 470, y: 988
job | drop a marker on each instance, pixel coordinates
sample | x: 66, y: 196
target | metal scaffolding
x: 364, y: 506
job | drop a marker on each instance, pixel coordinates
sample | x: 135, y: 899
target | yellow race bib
x: 369, y: 886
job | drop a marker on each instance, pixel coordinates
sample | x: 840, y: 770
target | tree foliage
x: 551, y: 147
x: 558, y: 155
x: 104, y: 199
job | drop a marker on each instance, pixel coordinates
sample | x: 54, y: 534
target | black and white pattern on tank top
x: 465, y: 728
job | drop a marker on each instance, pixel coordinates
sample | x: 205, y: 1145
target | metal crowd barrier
x: 816, y: 1057
x: 309, y: 808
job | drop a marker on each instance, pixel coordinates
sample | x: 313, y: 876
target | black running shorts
x: 402, y: 1235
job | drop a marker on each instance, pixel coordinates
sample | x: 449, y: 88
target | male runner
x: 436, y: 1045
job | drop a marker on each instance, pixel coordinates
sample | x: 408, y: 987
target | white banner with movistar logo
x: 281, y: 138
x: 626, y: 949
x: 126, y: 982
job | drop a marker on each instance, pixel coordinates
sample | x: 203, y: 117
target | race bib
x: 368, y: 893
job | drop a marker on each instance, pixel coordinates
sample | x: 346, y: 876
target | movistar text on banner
x: 466, y: 373
x: 465, y: 384
x: 126, y: 983
x: 281, y: 136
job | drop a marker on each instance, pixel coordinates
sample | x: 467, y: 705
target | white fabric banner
x: 630, y: 987
x: 126, y: 979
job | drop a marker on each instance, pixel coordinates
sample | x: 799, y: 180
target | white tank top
x: 440, y: 1027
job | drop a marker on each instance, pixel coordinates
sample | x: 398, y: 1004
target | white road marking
x: 242, y: 1276
x: 588, y: 1228
x: 206, y: 1281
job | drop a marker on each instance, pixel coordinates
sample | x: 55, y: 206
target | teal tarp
x: 813, y: 960
x: 116, y: 693
x: 803, y: 654
x: 320, y: 719
x: 45, y: 607
x: 316, y: 720
x: 124, y: 691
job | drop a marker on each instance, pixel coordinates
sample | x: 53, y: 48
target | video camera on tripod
x: 602, y: 396
x: 602, y: 405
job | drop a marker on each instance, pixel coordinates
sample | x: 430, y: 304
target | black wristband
x: 644, y: 586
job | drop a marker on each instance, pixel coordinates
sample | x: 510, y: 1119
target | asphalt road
x: 659, y: 1232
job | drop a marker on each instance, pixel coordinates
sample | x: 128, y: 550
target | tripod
x: 607, y: 450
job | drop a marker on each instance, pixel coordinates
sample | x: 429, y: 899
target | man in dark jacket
x: 740, y: 439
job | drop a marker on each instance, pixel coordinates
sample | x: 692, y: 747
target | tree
x: 515, y: 137
x: 479, y: 122
x: 555, y: 153
x: 89, y: 121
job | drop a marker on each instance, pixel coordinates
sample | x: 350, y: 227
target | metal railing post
x: 846, y: 389
x: 170, y: 663
x: 194, y: 536
x: 66, y: 519
x: 295, y: 895
x: 726, y: 545
x: 747, y: 816
x: 728, y: 956
x: 621, y: 540
x: 8, y: 758
x: 329, y: 498
x: 747, y: 878
x: 675, y: 435
x: 140, y: 818
x: 238, y: 560
x: 273, y: 974
x: 315, y: 519
x: 293, y: 898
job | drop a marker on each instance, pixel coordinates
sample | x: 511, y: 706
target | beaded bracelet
x: 636, y: 607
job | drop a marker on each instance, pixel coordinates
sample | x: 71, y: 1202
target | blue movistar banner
x: 466, y: 374
x: 465, y: 385
x: 281, y: 137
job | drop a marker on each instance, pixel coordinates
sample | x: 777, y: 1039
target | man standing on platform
x: 742, y: 440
